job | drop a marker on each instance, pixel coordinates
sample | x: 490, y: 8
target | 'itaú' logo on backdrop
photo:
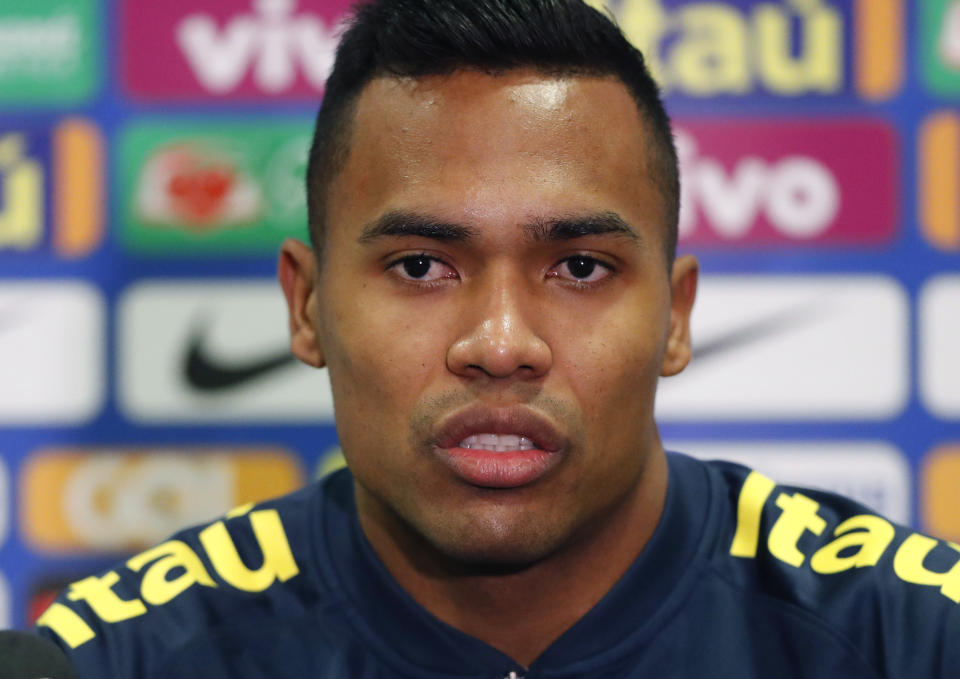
x: 783, y: 48
x: 51, y: 188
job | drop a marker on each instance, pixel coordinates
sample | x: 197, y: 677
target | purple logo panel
x: 787, y: 182
x: 230, y: 50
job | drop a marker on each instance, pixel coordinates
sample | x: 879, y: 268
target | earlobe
x: 297, y: 273
x: 683, y: 288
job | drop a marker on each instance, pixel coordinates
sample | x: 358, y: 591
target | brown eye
x: 581, y: 267
x: 422, y: 268
x: 418, y: 266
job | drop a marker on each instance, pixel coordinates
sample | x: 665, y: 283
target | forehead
x: 476, y: 144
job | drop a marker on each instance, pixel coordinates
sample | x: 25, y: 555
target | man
x: 494, y: 290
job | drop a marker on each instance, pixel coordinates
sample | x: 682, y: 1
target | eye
x: 581, y: 269
x: 421, y: 268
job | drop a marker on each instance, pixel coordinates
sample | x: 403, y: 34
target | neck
x: 518, y: 610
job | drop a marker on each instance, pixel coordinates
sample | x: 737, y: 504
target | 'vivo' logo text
x: 786, y: 182
x: 227, y: 49
x: 272, y: 42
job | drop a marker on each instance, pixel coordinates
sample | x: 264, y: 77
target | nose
x: 498, y: 339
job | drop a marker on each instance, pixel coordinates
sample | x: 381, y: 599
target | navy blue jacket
x: 742, y: 579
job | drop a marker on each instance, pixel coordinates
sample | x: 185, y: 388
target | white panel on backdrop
x: 939, y: 323
x: 873, y: 473
x: 51, y: 352
x: 213, y: 351
x: 793, y: 347
x: 6, y: 613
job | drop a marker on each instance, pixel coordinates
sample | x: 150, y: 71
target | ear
x: 297, y: 271
x: 683, y: 290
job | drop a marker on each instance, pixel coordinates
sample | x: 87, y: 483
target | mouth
x: 499, y: 448
x: 498, y: 443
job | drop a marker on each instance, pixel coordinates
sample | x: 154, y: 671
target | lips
x: 499, y: 448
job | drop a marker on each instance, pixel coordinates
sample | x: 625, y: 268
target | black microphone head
x: 28, y: 656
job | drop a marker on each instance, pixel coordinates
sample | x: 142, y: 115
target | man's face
x: 494, y: 307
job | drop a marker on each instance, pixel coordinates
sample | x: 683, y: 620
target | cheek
x: 614, y: 362
x: 379, y: 359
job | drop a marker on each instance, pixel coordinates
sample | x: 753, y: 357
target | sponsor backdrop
x: 152, y: 157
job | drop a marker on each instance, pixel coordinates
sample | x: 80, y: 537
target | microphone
x: 28, y: 656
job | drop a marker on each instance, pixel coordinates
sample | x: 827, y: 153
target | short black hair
x: 418, y: 38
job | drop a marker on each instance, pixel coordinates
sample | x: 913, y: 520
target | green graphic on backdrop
x: 207, y: 188
x: 941, y: 45
x: 49, y: 51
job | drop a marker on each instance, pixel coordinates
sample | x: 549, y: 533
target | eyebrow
x: 570, y: 228
x: 401, y: 223
x: 398, y: 223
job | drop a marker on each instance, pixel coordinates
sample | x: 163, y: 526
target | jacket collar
x: 414, y: 642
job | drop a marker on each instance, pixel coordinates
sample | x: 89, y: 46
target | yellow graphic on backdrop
x: 788, y: 48
x: 21, y: 200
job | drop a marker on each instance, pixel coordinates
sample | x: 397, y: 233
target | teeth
x: 497, y: 442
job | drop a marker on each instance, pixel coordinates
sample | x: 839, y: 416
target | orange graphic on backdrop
x: 123, y: 499
x: 939, y: 480
x: 939, y: 179
x: 878, y: 44
x: 79, y: 194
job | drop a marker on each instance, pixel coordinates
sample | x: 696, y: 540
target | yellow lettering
x: 756, y: 489
x: 908, y: 565
x: 278, y: 562
x: 21, y: 221
x: 711, y: 57
x: 240, y: 511
x: 707, y: 48
x: 156, y: 588
x: 799, y: 515
x: 644, y: 23
x: 870, y: 533
x: 103, y: 600
x: 819, y: 67
x: 66, y: 624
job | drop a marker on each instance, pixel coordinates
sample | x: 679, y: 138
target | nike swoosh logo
x: 208, y: 373
x: 755, y: 331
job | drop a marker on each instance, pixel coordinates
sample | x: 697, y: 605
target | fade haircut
x: 418, y: 38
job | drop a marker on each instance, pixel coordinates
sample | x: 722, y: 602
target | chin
x: 482, y: 547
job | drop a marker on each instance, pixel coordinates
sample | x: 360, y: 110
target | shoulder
x: 256, y: 562
x: 888, y: 592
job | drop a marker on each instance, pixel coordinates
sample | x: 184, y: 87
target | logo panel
x: 214, y: 188
x: 49, y: 51
x: 938, y: 180
x: 124, y: 499
x: 5, y: 501
x: 224, y: 49
x: 6, y: 612
x: 940, y: 45
x: 939, y: 480
x: 214, y: 352
x: 52, y: 363
x: 787, y: 183
x: 939, y: 334
x: 789, y: 48
x: 51, y: 189
x: 874, y: 474
x: 793, y: 347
